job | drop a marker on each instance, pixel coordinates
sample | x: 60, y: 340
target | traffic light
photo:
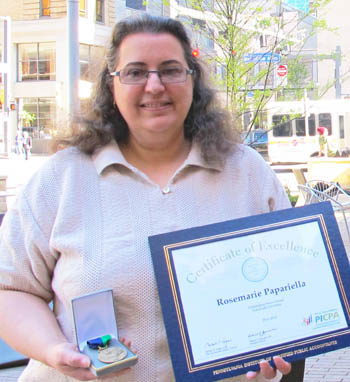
x: 195, y: 52
x: 12, y: 106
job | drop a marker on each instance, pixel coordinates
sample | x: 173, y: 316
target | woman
x: 155, y: 155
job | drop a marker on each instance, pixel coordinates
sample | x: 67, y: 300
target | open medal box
x: 97, y: 333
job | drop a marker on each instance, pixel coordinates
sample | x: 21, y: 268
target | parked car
x: 258, y: 140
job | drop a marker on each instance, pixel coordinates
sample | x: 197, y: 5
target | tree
x: 241, y: 28
x: 27, y: 118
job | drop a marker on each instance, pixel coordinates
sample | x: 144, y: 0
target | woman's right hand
x: 66, y: 358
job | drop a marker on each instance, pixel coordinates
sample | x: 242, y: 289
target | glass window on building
x: 199, y: 32
x: 38, y: 117
x: 45, y: 7
x: 90, y: 59
x: 37, y: 62
x: 206, y: 5
x: 136, y: 4
x: 100, y: 16
x: 84, y: 59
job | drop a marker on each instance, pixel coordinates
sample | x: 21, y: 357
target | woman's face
x: 152, y: 108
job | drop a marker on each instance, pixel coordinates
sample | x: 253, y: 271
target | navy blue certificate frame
x: 163, y: 246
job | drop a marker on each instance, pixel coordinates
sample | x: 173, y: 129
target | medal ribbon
x: 99, y: 342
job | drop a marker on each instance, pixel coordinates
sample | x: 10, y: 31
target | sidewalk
x: 328, y: 367
x: 18, y: 171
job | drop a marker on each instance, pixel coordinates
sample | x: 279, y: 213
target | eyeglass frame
x: 117, y: 74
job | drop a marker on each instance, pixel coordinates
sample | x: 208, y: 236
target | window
x: 36, y: 62
x: 43, y: 112
x: 282, y: 126
x: 100, y: 11
x: 136, y: 4
x: 199, y: 32
x: 45, y: 7
x: 205, y: 5
x: 262, y: 41
x: 82, y: 8
x: 312, y: 125
x: 325, y: 120
x: 90, y: 58
x: 300, y: 130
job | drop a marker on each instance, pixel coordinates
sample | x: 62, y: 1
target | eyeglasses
x: 139, y: 76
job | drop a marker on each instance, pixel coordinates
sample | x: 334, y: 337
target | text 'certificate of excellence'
x: 236, y: 292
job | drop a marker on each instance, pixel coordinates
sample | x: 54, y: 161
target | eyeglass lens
x: 170, y: 74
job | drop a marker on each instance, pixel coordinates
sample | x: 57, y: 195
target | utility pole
x: 5, y: 61
x: 73, y: 56
x: 337, y: 72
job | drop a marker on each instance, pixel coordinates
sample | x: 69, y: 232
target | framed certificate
x: 236, y: 292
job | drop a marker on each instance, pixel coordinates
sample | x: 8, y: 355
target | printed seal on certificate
x: 111, y: 354
x: 255, y: 269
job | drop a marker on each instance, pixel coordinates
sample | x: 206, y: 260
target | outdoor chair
x: 315, y: 191
x: 301, y: 179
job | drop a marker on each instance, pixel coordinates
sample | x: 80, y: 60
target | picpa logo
x: 326, y: 317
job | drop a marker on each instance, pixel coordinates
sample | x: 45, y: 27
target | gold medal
x: 111, y: 354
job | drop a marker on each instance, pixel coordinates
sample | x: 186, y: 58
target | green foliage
x: 27, y: 118
x: 292, y: 198
x: 236, y: 26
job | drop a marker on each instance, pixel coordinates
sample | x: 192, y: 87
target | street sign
x: 261, y: 57
x: 302, y: 5
x: 282, y: 70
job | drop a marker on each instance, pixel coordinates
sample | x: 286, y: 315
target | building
x: 335, y: 70
x: 37, y: 67
x: 35, y: 86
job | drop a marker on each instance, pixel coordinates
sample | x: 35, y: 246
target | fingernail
x: 251, y: 374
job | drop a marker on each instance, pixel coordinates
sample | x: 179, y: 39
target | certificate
x: 236, y: 292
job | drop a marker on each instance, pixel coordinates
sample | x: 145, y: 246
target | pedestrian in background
x: 19, y: 149
x: 322, y: 140
x: 27, y: 145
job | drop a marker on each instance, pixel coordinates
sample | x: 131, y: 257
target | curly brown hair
x: 206, y: 123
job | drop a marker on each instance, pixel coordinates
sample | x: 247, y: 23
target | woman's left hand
x: 268, y: 371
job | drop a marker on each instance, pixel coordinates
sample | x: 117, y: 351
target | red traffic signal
x: 195, y: 52
x: 12, y: 106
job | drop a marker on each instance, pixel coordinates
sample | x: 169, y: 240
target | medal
x: 111, y: 354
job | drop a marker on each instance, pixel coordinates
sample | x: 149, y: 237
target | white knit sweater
x: 81, y: 224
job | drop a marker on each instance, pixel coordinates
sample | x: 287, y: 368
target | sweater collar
x: 110, y: 154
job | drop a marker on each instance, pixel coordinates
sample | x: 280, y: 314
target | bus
x: 293, y: 136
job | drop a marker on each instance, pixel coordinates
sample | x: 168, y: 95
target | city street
x: 329, y: 367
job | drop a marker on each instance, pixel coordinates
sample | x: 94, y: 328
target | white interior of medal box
x: 94, y: 316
